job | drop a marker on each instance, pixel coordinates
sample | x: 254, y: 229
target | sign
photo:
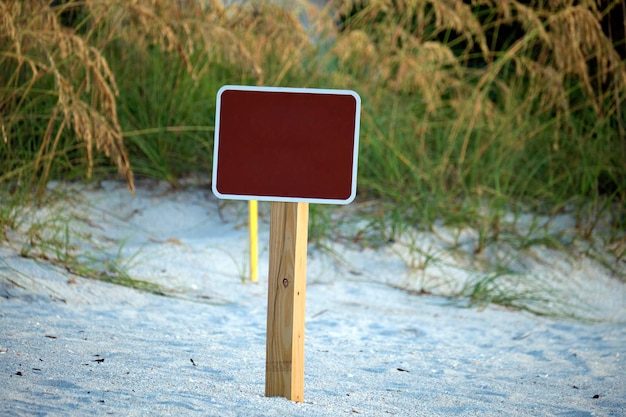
x: 286, y: 144
x: 290, y: 146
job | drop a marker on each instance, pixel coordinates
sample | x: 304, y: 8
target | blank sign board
x: 286, y: 144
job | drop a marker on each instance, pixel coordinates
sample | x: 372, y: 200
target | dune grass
x: 473, y: 112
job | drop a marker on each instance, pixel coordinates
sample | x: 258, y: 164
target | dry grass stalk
x: 274, y: 37
x: 562, y: 40
x: 258, y: 39
x: 248, y: 36
x: 141, y: 23
x: 576, y: 39
x: 36, y: 45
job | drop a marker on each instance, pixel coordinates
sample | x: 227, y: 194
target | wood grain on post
x: 284, y: 376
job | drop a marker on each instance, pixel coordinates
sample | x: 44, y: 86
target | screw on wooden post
x: 284, y: 376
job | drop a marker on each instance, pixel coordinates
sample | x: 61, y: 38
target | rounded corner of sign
x: 216, y: 192
x: 350, y: 199
x: 223, y: 89
x: 356, y: 96
x: 343, y: 201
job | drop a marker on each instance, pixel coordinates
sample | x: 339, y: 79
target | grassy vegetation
x: 473, y: 112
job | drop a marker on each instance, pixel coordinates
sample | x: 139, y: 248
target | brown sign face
x: 286, y: 144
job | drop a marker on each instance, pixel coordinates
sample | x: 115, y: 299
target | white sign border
x: 355, y: 156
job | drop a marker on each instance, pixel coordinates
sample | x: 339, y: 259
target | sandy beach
x: 73, y: 346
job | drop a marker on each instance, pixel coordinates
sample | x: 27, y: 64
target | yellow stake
x: 254, y: 249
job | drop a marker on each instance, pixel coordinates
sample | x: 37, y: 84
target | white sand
x: 72, y: 346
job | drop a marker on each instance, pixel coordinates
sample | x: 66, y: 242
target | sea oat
x: 84, y: 85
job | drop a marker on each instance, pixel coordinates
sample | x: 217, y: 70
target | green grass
x: 45, y: 230
x: 167, y: 116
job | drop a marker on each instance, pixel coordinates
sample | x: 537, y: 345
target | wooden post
x: 284, y: 371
